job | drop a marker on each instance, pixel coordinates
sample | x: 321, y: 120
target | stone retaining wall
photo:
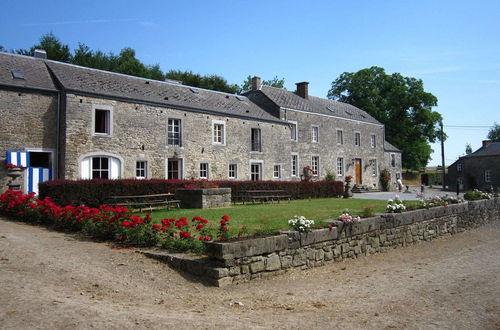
x: 204, y: 198
x: 239, y: 261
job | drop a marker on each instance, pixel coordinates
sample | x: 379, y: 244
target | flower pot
x: 14, y: 173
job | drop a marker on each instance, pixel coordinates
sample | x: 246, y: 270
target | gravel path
x: 50, y: 280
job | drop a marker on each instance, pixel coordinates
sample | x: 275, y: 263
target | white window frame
x: 374, y: 167
x: 357, y: 139
x: 254, y: 129
x: 180, y: 165
x: 85, y: 165
x: 373, y: 141
x: 340, y: 166
x: 315, y: 167
x: 341, y: 142
x: 173, y: 126
x: 315, y: 134
x: 109, y: 126
x: 261, y: 168
x: 487, y: 176
x: 144, y: 169
x: 294, y: 127
x: 232, y: 172
x: 294, y: 169
x: 206, y: 170
x: 216, y: 123
x: 393, y: 160
x: 277, y: 171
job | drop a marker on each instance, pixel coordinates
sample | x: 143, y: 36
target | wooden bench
x: 141, y: 201
x: 248, y: 196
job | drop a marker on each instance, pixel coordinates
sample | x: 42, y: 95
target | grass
x: 267, y: 218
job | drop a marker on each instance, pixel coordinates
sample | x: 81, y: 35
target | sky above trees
x: 452, y: 46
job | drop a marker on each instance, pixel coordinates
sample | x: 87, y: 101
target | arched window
x: 100, y: 167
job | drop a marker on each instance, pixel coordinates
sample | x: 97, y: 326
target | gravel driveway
x: 51, y: 280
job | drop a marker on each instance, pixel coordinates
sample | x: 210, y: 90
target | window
x: 218, y: 132
x: 293, y: 131
x: 256, y: 140
x: 255, y: 171
x: 393, y: 160
x: 203, y: 170
x: 373, y: 141
x: 459, y: 167
x: 340, y: 137
x: 141, y: 168
x: 315, y: 165
x: 102, y: 121
x: 233, y: 171
x: 357, y: 139
x: 373, y: 165
x: 100, y: 167
x: 174, y: 132
x: 315, y: 134
x: 277, y: 171
x: 295, y: 164
x: 487, y: 176
x: 340, y: 166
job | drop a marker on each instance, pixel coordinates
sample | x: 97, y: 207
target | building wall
x: 28, y: 121
x: 395, y: 171
x: 472, y: 174
x: 139, y: 132
x: 328, y: 149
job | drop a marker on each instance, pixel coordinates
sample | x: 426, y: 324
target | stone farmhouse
x: 62, y: 121
x: 478, y: 170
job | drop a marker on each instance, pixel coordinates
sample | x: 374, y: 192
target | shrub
x: 385, y: 179
x: 432, y: 178
x: 475, y: 194
x: 368, y: 211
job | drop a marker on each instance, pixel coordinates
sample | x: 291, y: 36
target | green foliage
x: 275, y: 82
x: 432, y: 178
x: 368, y: 211
x: 400, y: 103
x: 475, y: 194
x: 54, y: 48
x: 494, y: 133
x: 385, y: 179
x: 330, y: 176
x: 213, y: 82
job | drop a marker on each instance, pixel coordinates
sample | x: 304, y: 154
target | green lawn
x: 265, y: 218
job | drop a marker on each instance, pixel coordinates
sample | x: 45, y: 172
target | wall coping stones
x: 247, y: 247
x: 312, y: 237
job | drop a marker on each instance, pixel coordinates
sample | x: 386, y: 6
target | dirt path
x: 50, y: 280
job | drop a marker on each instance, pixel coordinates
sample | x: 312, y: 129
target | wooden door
x: 173, y: 169
x: 357, y: 170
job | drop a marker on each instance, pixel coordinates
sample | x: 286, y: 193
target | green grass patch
x: 268, y: 218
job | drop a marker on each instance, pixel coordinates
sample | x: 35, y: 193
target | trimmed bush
x: 97, y: 192
x: 432, y: 179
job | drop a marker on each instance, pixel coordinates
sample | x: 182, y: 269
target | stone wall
x: 204, y: 198
x: 472, y: 174
x: 239, y: 261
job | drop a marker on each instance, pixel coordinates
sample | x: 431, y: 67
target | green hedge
x: 97, y: 192
x: 432, y: 179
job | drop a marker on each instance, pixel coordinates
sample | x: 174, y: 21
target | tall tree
x: 213, y: 82
x: 54, y: 48
x: 275, y: 82
x: 494, y: 133
x: 401, y: 103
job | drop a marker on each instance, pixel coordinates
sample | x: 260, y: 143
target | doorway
x: 357, y: 171
x: 174, y: 169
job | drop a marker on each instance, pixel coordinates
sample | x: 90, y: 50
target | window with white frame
x: 314, y: 134
x: 373, y: 166
x: 487, y: 176
x: 100, y: 167
x: 295, y: 165
x: 174, y: 132
x: 459, y: 167
x: 293, y: 131
x: 373, y: 141
x: 340, y: 166
x: 256, y: 140
x: 141, y: 169
x: 102, y: 116
x: 393, y: 160
x: 233, y: 171
x: 277, y: 171
x: 340, y: 137
x: 255, y: 171
x: 219, y: 132
x: 315, y: 165
x: 203, y: 170
x: 357, y: 139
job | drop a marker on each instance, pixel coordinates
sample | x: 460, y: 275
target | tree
x: 494, y: 133
x: 213, y: 82
x: 468, y: 149
x: 54, y: 48
x: 398, y: 102
x: 275, y: 82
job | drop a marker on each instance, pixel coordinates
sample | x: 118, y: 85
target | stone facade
x: 258, y: 258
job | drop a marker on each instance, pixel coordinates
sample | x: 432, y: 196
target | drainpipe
x: 58, y: 130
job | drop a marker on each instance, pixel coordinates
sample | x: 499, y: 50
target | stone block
x: 256, y: 267
x: 319, y: 255
x: 299, y: 258
x: 286, y: 261
x: 273, y: 263
x: 246, y: 248
x: 318, y: 236
x: 225, y: 281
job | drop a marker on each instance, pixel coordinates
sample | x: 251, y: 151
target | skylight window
x: 194, y: 90
x: 348, y: 112
x: 17, y: 75
x: 240, y: 98
x: 331, y: 109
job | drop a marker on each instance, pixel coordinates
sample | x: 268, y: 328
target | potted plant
x: 347, y: 190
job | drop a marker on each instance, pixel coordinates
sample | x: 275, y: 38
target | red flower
x: 200, y: 226
x: 201, y: 238
x: 207, y: 238
x: 156, y: 226
x: 184, y: 234
x: 125, y: 223
x: 224, y: 228
x: 225, y: 218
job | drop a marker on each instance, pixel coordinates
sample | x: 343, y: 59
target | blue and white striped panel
x: 18, y: 158
x: 37, y: 175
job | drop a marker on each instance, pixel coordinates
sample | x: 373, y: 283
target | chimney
x: 40, y: 53
x: 486, y: 143
x: 303, y: 89
x: 256, y: 83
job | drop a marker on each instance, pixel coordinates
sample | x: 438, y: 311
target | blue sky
x: 453, y: 46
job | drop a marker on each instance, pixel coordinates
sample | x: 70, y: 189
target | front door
x: 174, y: 169
x: 357, y: 170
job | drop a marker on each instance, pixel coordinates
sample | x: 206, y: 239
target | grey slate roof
x: 492, y: 149
x: 288, y: 99
x: 390, y: 147
x: 79, y: 79
x: 34, y: 71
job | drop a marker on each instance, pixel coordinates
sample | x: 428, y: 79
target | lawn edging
x: 257, y: 258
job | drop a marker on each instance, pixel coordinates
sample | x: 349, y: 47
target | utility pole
x: 442, y: 155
